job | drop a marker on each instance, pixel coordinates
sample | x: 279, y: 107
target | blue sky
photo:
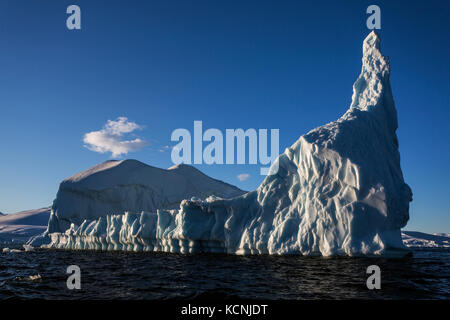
x: 232, y: 64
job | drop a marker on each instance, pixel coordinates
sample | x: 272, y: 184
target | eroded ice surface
x: 339, y: 190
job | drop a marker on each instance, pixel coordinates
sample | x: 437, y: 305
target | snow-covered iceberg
x: 339, y: 190
x: 114, y: 187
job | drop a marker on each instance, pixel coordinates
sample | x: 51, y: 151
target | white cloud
x: 164, y: 149
x: 121, y: 126
x: 243, y: 176
x: 111, y: 138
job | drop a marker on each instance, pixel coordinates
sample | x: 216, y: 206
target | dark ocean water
x: 112, y: 275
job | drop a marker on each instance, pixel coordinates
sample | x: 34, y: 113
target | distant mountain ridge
x: 34, y: 217
x: 20, y: 226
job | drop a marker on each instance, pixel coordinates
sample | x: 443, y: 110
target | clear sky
x: 232, y: 64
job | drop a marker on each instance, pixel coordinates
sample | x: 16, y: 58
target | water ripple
x: 115, y: 275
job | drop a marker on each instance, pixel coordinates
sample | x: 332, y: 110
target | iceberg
x: 113, y: 187
x: 338, y: 190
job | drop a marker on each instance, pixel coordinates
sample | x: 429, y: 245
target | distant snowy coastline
x: 20, y: 226
x: 416, y: 239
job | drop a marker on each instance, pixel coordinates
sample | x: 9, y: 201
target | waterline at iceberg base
x: 339, y: 190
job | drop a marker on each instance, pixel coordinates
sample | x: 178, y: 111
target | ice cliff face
x: 339, y: 190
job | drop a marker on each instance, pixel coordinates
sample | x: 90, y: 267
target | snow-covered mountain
x: 339, y: 190
x: 20, y: 226
x: 415, y: 239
